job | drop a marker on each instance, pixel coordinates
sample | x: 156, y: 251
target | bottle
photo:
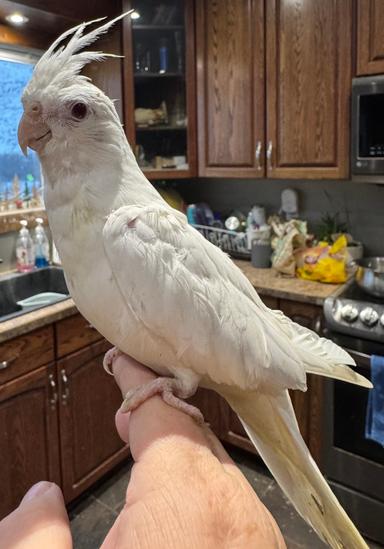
x: 25, y: 256
x: 41, y: 244
x: 163, y: 55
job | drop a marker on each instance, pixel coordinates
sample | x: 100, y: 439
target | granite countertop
x: 23, y: 324
x: 268, y: 282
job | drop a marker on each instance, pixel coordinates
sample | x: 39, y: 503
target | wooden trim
x: 190, y: 84
x: 167, y: 174
x: 10, y: 219
x: 240, y: 442
x: 128, y: 84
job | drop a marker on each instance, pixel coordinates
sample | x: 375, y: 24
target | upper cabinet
x: 308, y: 66
x: 230, y: 79
x: 300, y: 127
x: 370, y: 37
x: 159, y: 78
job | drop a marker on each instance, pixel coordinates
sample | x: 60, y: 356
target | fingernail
x: 37, y: 490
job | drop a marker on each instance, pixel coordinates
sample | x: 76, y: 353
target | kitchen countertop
x: 266, y: 282
x: 269, y: 282
x: 23, y: 324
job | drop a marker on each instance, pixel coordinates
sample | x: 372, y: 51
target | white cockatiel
x: 160, y: 292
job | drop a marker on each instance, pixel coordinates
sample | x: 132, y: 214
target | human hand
x: 184, y: 490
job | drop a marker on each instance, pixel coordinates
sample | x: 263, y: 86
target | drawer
x: 73, y: 333
x: 26, y: 353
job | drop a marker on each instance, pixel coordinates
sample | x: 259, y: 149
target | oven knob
x: 349, y: 313
x: 369, y: 316
x: 382, y: 320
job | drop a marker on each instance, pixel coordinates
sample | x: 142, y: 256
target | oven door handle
x: 362, y: 360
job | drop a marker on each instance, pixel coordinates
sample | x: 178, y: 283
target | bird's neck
x: 93, y: 179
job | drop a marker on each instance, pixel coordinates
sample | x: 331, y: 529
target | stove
x: 355, y: 313
x: 353, y: 464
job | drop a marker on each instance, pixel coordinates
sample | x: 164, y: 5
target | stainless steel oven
x: 353, y: 464
x: 367, y: 130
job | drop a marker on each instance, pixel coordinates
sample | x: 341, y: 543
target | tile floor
x: 93, y: 515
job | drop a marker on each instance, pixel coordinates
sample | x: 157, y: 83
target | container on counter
x: 261, y: 254
x: 25, y: 256
x: 41, y: 244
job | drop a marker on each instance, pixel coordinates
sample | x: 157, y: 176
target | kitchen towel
x: 374, y: 426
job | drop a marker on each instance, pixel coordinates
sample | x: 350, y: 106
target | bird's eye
x: 79, y: 111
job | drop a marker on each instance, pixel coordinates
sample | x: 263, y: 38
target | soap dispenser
x: 41, y: 243
x: 25, y: 256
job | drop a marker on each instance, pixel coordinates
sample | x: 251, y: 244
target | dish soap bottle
x: 41, y: 245
x: 25, y: 256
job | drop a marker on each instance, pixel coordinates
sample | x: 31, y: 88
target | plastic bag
x: 324, y: 263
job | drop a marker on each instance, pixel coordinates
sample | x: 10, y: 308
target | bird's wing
x: 189, y: 296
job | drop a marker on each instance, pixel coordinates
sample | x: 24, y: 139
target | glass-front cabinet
x: 160, y: 87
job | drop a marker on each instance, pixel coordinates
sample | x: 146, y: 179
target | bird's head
x: 63, y: 109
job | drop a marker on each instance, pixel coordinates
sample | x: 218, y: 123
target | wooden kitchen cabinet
x: 29, y: 449
x: 308, y: 88
x: 370, y: 37
x: 307, y: 76
x: 26, y: 353
x: 88, y: 400
x: 230, y: 80
x: 159, y: 73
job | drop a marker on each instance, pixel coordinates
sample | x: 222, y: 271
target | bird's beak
x: 32, y: 133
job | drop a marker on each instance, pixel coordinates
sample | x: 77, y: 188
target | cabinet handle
x: 258, y: 155
x: 269, y: 154
x: 5, y: 363
x: 65, y: 393
x: 54, y: 396
x: 90, y: 327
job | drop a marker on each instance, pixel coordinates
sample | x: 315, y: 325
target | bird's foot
x: 109, y: 358
x: 165, y: 387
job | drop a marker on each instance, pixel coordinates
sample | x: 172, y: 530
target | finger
x: 153, y: 420
x: 40, y: 521
x: 216, y: 447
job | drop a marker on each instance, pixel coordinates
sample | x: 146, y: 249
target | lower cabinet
x: 57, y: 421
x: 88, y: 400
x: 29, y: 448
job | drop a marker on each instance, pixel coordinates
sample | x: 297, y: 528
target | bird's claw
x: 109, y: 358
x: 165, y: 387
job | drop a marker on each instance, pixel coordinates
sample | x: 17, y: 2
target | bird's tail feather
x: 271, y: 425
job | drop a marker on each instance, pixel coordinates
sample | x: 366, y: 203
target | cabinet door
x: 89, y: 399
x: 230, y: 80
x: 308, y: 88
x: 159, y: 74
x: 29, y: 448
x: 370, y: 37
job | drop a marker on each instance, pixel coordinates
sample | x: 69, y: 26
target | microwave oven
x: 367, y: 135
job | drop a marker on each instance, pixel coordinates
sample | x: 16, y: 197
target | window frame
x: 10, y: 220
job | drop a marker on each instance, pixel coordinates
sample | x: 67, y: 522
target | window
x: 20, y: 176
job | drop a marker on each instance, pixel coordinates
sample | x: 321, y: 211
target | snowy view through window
x: 20, y: 177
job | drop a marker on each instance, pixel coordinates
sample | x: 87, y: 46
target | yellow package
x: 324, y: 263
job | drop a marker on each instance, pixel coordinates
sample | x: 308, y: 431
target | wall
x: 360, y: 205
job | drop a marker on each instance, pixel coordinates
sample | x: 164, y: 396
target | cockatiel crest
x: 60, y: 65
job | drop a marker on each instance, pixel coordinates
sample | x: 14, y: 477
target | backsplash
x: 359, y: 205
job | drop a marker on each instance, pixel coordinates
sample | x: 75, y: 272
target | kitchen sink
x: 19, y: 291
